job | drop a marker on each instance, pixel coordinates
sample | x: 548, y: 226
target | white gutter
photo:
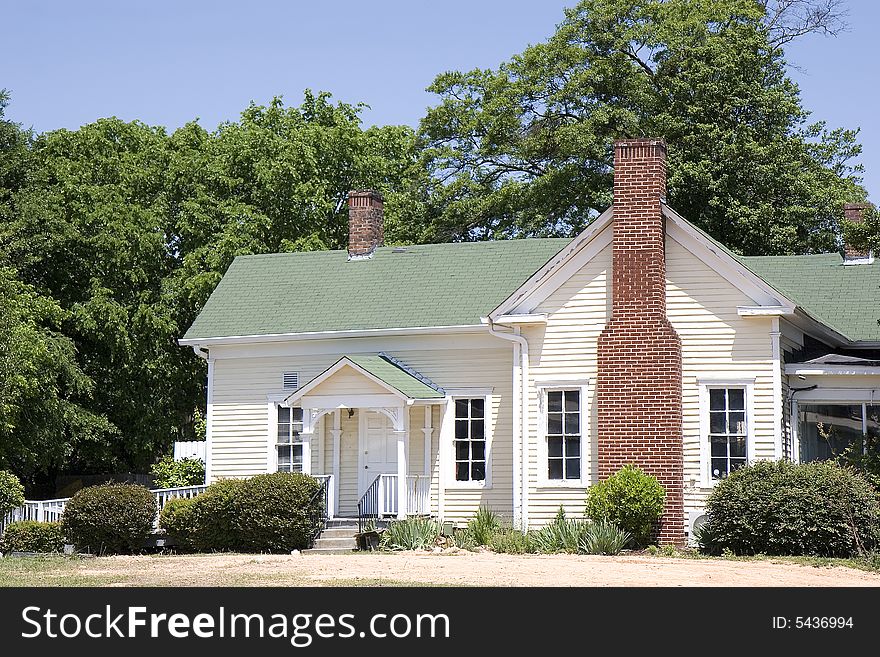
x: 520, y: 423
x: 328, y: 335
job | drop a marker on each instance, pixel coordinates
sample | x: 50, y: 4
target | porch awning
x: 379, y: 369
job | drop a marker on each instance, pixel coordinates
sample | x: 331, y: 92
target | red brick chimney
x: 638, y: 388
x: 366, y: 229
x: 855, y: 213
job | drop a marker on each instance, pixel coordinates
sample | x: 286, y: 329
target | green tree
x: 527, y: 149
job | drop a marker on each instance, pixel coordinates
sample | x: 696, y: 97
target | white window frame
x: 706, y: 384
x: 447, y: 436
x: 582, y: 386
x: 273, y: 401
x: 849, y: 396
x: 304, y: 451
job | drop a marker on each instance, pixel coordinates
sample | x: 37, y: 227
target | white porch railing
x: 51, y: 510
x: 418, y: 491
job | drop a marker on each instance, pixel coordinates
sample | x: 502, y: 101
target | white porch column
x: 428, y: 432
x: 308, y: 431
x: 402, y: 440
x: 336, y: 432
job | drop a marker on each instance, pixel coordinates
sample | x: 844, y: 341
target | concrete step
x: 341, y: 543
x: 339, y: 532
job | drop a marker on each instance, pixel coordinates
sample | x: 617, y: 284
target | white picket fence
x: 51, y: 510
x: 194, y: 449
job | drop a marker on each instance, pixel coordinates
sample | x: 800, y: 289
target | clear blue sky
x: 68, y: 63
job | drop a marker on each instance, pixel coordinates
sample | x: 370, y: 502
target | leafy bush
x: 603, y: 537
x: 110, y: 518
x: 510, y: 541
x: 781, y: 508
x: 410, y: 534
x: 168, y: 473
x: 176, y: 518
x: 11, y: 492
x: 274, y: 512
x: 278, y: 512
x: 31, y: 536
x: 484, y: 525
x: 561, y: 535
x: 630, y: 499
x: 464, y: 539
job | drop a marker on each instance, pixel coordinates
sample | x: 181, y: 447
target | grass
x: 867, y: 563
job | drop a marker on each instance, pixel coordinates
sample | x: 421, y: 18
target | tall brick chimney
x: 855, y: 213
x: 638, y: 388
x: 366, y: 229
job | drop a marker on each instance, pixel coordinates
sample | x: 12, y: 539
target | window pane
x: 719, y: 446
x: 554, y: 469
x: 736, y: 399
x: 738, y: 447
x: 716, y: 399
x: 478, y: 471
x: 284, y: 458
x: 477, y: 429
x: 719, y: 468
x: 297, y: 414
x: 554, y: 402
x: 283, y: 414
x: 461, y: 408
x: 478, y: 407
x: 572, y: 468
x: 826, y: 430
x: 554, y: 447
x: 298, y: 454
x: 461, y: 429
x: 572, y: 401
x: 572, y: 423
x: 735, y: 464
x: 283, y: 433
x: 717, y: 422
x: 478, y: 450
x: 573, y: 447
x: 461, y: 450
x: 554, y: 423
x: 461, y: 471
x: 737, y: 423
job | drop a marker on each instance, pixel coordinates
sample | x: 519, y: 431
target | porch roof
x: 384, y: 369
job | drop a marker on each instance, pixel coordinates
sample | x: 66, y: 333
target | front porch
x: 365, y: 427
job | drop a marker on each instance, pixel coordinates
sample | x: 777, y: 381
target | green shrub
x: 278, y: 512
x: 602, y: 537
x: 214, y: 518
x: 464, y: 539
x: 410, y: 534
x: 176, y: 518
x: 11, y: 492
x: 110, y: 518
x: 781, y: 508
x: 508, y: 540
x: 31, y: 536
x: 484, y: 525
x: 168, y: 473
x: 630, y: 499
x: 561, y: 535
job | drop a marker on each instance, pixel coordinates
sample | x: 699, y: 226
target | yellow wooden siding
x: 348, y: 381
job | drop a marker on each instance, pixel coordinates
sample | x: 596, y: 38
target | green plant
x: 168, y: 473
x: 510, y: 541
x: 410, y: 534
x: 110, y: 518
x: 630, y: 499
x: 11, y: 492
x: 705, y: 540
x: 176, y: 518
x: 279, y: 511
x: 214, y: 518
x: 602, y: 537
x: 31, y: 536
x: 484, y: 525
x: 781, y: 508
x: 561, y: 535
x: 464, y: 539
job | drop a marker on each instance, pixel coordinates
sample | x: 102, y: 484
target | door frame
x: 361, y: 445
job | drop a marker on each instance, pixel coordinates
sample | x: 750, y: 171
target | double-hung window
x: 289, y: 444
x: 470, y: 439
x: 728, y: 430
x: 563, y: 435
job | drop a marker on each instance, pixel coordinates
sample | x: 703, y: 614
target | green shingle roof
x: 843, y: 297
x: 396, y: 376
x: 426, y: 285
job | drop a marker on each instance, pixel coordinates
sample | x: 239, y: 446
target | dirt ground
x: 421, y: 569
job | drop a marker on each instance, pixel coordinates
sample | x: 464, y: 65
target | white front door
x: 378, y: 446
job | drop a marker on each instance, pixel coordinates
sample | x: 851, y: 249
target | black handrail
x: 319, y: 518
x: 368, y: 507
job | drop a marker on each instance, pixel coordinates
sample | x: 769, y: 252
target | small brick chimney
x: 855, y: 213
x: 366, y: 229
x: 639, y: 390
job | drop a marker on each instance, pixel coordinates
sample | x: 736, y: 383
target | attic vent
x: 291, y: 380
